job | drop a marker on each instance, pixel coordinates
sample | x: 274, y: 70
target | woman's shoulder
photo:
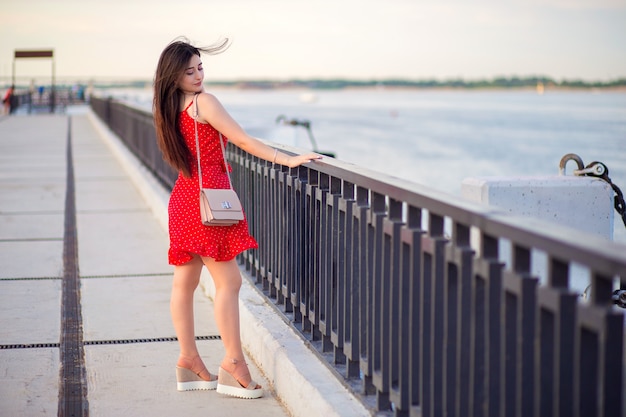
x: 208, y: 106
x: 207, y: 99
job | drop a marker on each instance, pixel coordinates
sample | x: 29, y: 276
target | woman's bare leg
x: 186, y: 279
x: 227, y: 279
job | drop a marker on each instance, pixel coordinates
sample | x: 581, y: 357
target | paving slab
x: 138, y: 380
x: 29, y: 382
x: 29, y: 154
x: 30, y: 311
x: 31, y: 226
x: 107, y: 194
x: 31, y: 259
x: 136, y: 308
x: 121, y: 243
x: 32, y: 196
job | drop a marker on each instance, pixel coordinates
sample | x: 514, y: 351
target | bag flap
x: 219, y: 199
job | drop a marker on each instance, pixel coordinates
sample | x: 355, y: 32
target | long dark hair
x: 167, y: 96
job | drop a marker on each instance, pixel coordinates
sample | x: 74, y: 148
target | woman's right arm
x: 210, y: 110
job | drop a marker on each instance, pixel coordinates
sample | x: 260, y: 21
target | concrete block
x: 582, y: 203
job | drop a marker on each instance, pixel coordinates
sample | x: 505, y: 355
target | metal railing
x: 51, y: 101
x: 136, y: 128
x: 427, y: 304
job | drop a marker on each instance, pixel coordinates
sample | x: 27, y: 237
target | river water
x: 438, y: 138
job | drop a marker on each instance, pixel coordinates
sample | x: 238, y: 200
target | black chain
x: 618, y: 201
x: 620, y: 205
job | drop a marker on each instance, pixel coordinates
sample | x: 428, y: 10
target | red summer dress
x: 188, y: 235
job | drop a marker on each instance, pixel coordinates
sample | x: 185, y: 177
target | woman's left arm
x: 210, y: 110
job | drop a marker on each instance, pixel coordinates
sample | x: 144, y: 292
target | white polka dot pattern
x: 188, y: 235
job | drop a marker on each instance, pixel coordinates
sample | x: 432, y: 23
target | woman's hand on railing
x: 297, y: 160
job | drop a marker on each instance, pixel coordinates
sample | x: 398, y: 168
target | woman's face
x: 191, y: 80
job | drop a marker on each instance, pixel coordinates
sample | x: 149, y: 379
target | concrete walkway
x: 128, y: 338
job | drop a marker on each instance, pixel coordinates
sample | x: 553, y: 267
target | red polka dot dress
x: 188, y: 235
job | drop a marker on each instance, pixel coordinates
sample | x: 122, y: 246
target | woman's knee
x: 225, y: 274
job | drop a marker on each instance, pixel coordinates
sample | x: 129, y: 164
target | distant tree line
x: 334, y: 84
x: 500, y: 82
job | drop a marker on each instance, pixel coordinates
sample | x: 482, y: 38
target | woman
x: 8, y: 97
x: 178, y: 86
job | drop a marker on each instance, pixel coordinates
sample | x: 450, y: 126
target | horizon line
x: 131, y: 79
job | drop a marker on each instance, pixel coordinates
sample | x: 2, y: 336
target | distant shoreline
x: 512, y: 83
x: 619, y: 89
x: 498, y: 83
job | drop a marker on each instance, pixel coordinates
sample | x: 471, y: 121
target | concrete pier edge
x: 299, y: 379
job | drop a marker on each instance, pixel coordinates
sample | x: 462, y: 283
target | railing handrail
x: 561, y: 241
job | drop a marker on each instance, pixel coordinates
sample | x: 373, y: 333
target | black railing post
x: 375, y: 278
x: 412, y: 314
x: 365, y: 289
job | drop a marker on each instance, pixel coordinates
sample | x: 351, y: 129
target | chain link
x: 599, y: 170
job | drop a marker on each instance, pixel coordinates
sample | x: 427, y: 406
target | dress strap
x: 188, y: 105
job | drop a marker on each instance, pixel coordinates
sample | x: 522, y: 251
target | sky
x: 357, y: 39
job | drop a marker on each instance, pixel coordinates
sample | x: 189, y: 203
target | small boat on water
x: 540, y: 88
x: 308, y: 97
